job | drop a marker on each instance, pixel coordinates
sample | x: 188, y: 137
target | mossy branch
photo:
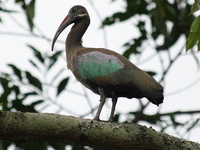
x: 18, y: 126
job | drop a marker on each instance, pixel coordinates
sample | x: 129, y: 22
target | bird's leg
x: 114, y: 102
x: 102, y: 101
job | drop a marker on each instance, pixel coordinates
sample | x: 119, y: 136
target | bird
x: 104, y: 72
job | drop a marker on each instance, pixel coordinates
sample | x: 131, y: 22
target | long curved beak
x: 66, y: 22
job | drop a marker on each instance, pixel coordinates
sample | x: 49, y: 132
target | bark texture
x: 18, y: 126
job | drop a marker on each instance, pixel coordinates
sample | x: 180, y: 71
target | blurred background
x: 151, y: 33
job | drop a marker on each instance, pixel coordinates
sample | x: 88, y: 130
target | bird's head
x: 74, y: 15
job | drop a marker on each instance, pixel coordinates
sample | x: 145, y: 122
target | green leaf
x: 36, y: 103
x: 51, y: 64
x: 16, y: 70
x: 19, y: 1
x: 33, y: 80
x: 6, y: 92
x: 195, y: 27
x: 37, y: 53
x: 54, y: 58
x: 34, y: 64
x: 192, y: 40
x: 30, y: 13
x: 151, y: 73
x: 16, y: 90
x: 4, y: 83
x: 29, y: 94
x: 19, y: 106
x: 62, y: 85
x: 56, y: 55
x: 132, y: 48
x: 194, y: 36
x: 194, y: 8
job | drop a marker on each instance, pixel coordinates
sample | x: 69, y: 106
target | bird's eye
x: 75, y: 9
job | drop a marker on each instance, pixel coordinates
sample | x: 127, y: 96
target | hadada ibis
x: 103, y: 71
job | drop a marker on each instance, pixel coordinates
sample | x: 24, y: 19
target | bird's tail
x: 150, y: 88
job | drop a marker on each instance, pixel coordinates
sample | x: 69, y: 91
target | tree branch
x: 153, y: 119
x: 18, y: 126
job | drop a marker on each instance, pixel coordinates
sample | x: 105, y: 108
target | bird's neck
x: 74, y: 38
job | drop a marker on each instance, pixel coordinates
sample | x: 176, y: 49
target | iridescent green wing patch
x: 97, y: 64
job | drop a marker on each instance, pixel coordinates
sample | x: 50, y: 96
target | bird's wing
x: 99, y: 67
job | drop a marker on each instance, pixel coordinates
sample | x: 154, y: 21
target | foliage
x: 29, y: 9
x: 33, y: 88
x: 159, y: 12
x: 12, y: 82
x: 23, y: 85
x: 194, y: 37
